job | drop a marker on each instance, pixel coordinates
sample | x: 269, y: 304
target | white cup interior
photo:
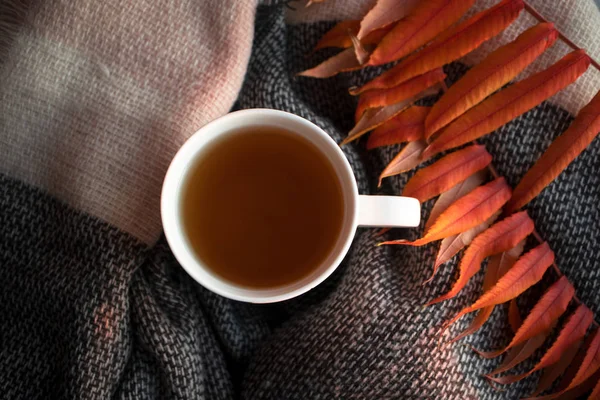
x: 193, y: 149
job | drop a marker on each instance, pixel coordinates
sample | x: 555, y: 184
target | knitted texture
x: 91, y: 311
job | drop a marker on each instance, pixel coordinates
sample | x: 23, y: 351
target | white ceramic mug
x: 360, y: 210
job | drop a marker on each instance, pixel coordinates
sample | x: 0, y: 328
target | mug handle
x: 388, y: 211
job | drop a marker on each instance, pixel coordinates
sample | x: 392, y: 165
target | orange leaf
x: 559, y: 155
x: 453, y: 244
x: 511, y: 102
x: 466, y: 213
x: 426, y: 21
x: 341, y: 62
x: 547, y: 310
x: 595, y: 395
x: 384, y: 97
x: 338, y: 36
x: 405, y: 127
x: 445, y: 173
x: 375, y: 117
x: 573, y: 331
x: 383, y: 14
x: 450, y: 45
x: 497, y: 267
x: 360, y: 51
x: 582, y: 374
x: 573, y: 393
x: 408, y: 158
x: 572, y: 369
x: 502, y: 236
x: 497, y: 69
x: 590, y: 364
x: 551, y: 373
x: 514, y: 316
x: 520, y: 352
x: 450, y: 196
x: 526, y: 272
x: 341, y: 35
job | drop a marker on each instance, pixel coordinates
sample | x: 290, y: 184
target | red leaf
x: 445, y: 173
x: 559, y: 155
x: 453, y: 244
x: 404, y: 127
x: 338, y: 36
x: 547, y: 310
x: 384, y: 97
x: 341, y: 35
x: 426, y: 21
x: 341, y: 62
x: 509, y: 103
x: 496, y: 70
x: 526, y: 272
x: 551, y: 373
x: 514, y: 316
x: 595, y: 395
x: 497, y: 267
x: 408, y: 158
x: 586, y: 365
x: 454, y: 194
x: 573, y: 331
x: 360, y: 51
x: 502, y: 236
x: 450, y: 45
x: 520, y: 352
x: 466, y: 213
x: 590, y: 364
x: 375, y: 117
x: 384, y: 13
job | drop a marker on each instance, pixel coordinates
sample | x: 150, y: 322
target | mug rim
x: 172, y: 191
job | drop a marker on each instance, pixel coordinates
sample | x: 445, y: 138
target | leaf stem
x: 536, y: 14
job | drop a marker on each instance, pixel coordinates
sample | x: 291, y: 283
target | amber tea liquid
x: 262, y: 207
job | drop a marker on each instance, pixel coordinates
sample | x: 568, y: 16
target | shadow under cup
x: 264, y: 206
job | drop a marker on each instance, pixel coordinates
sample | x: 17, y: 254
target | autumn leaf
x: 341, y: 62
x: 514, y: 316
x: 574, y: 366
x: 526, y: 272
x: 408, y: 158
x: 520, y: 352
x: 453, y: 244
x: 497, y: 267
x: 559, y: 155
x: 573, y: 331
x: 384, y: 13
x: 466, y: 213
x: 454, y: 194
x: 595, y: 395
x: 586, y: 365
x: 384, y: 97
x: 404, y: 127
x: 375, y: 117
x: 590, y: 364
x: 552, y: 373
x: 341, y: 36
x: 425, y: 21
x: 445, y: 173
x: 450, y: 45
x: 496, y: 70
x: 547, y: 310
x: 509, y: 103
x: 500, y: 237
x: 338, y: 36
